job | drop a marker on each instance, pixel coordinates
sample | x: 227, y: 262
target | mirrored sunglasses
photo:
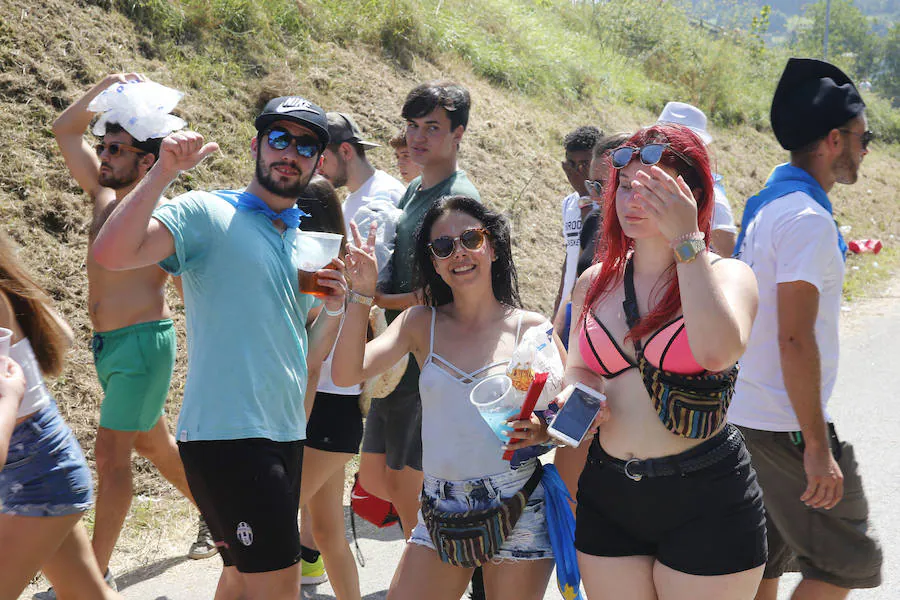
x: 650, y: 154
x: 306, y: 145
x: 470, y: 239
x: 114, y: 148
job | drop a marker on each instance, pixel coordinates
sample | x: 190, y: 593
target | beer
x: 309, y: 284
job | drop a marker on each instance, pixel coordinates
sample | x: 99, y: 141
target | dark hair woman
x: 668, y: 503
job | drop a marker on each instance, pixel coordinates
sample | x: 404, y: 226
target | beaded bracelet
x: 694, y: 235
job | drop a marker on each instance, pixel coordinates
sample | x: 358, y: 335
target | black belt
x: 708, y: 453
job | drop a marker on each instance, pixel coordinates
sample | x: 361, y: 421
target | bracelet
x: 333, y: 313
x: 360, y: 298
x: 694, y: 235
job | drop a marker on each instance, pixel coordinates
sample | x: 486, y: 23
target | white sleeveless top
x: 37, y: 396
x: 456, y: 442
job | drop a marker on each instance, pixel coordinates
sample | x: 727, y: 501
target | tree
x: 888, y: 78
x: 851, y: 40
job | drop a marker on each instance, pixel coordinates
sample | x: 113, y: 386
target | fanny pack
x: 470, y: 539
x: 692, y: 406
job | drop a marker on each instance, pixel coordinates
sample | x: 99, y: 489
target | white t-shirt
x: 571, y: 216
x: 380, y: 186
x: 791, y: 239
x: 723, y: 219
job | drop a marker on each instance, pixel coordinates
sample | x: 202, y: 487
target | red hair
x: 614, y: 247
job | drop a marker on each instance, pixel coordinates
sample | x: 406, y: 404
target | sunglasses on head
x: 650, y: 155
x: 470, y: 239
x: 865, y: 138
x: 114, y: 148
x: 307, y: 146
x: 594, y: 188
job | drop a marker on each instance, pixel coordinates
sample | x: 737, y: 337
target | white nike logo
x: 355, y: 497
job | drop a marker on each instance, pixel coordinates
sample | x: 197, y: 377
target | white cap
x: 688, y: 115
x: 140, y: 107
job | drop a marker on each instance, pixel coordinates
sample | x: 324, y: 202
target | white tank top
x: 456, y: 442
x: 37, y: 396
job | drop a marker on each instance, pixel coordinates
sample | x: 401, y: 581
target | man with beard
x: 134, y: 340
x: 242, y: 424
x: 816, y: 510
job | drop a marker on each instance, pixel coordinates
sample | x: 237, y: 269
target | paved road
x: 862, y: 409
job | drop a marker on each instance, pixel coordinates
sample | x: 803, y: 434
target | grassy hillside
x: 536, y: 69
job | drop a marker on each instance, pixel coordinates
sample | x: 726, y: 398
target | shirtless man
x: 134, y: 340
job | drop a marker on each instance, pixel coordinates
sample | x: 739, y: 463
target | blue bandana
x: 561, y: 527
x: 785, y: 179
x: 244, y: 200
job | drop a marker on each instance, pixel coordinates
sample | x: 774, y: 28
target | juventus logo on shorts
x: 244, y: 533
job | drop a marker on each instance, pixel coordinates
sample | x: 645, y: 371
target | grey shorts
x: 836, y: 546
x: 394, y: 428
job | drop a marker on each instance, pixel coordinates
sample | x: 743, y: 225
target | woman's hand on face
x: 362, y: 267
x: 669, y: 201
x: 528, y: 432
x: 332, y: 277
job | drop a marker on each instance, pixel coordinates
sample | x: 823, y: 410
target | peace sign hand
x: 362, y: 267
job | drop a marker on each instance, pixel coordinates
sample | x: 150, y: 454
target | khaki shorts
x: 836, y: 546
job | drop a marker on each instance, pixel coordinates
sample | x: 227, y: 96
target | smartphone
x: 574, y: 419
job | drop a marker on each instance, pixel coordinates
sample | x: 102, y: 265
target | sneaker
x: 312, y: 573
x: 204, y: 547
x: 50, y: 594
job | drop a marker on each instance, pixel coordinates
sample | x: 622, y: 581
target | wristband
x: 333, y: 313
x: 360, y: 298
x: 694, y: 235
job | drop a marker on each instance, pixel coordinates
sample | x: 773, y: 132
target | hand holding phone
x: 578, y: 415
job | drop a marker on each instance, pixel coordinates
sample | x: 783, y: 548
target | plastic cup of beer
x: 313, y: 251
x: 496, y: 400
x: 5, y: 340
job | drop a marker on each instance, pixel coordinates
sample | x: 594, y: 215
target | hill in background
x: 536, y: 69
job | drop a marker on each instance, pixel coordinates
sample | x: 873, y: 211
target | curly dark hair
x: 583, y: 138
x: 504, y: 278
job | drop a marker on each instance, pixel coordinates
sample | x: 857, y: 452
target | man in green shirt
x: 436, y: 114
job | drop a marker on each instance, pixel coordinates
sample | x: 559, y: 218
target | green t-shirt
x: 415, y: 203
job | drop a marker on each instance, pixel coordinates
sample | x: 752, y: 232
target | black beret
x: 812, y: 98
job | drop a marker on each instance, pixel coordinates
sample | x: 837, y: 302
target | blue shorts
x: 45, y: 474
x: 529, y: 539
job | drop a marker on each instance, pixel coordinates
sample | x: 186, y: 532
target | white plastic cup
x: 313, y: 251
x: 496, y: 400
x: 5, y: 340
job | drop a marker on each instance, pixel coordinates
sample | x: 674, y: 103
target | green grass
x: 866, y: 273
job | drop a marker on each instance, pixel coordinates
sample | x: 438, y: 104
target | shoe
x: 312, y: 573
x: 204, y: 547
x: 50, y: 594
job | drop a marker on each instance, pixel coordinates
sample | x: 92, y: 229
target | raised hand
x: 362, y: 267
x: 669, y: 201
x: 183, y: 150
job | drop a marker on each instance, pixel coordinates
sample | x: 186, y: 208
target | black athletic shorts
x: 335, y: 423
x: 248, y: 491
x: 394, y: 428
x: 708, y: 521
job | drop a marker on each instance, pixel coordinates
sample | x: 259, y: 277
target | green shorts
x: 134, y: 365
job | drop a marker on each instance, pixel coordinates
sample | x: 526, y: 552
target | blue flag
x: 785, y: 179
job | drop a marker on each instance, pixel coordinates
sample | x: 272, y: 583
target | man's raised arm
x: 131, y: 238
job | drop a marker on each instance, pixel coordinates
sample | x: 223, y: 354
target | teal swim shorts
x: 134, y: 365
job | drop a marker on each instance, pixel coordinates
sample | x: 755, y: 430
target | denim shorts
x: 45, y: 474
x: 529, y: 539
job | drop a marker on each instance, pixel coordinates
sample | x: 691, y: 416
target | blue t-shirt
x: 246, y: 321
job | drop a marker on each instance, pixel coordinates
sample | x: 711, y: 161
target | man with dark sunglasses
x: 242, y: 425
x: 134, y: 339
x: 816, y: 509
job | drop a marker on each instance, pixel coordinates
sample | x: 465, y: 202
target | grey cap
x: 342, y: 128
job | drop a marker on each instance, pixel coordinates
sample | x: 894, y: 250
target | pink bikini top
x: 667, y: 349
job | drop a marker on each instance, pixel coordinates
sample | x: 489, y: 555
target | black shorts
x: 335, y: 423
x: 394, y: 428
x: 248, y: 491
x: 708, y: 521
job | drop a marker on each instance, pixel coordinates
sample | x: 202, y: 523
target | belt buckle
x: 629, y: 475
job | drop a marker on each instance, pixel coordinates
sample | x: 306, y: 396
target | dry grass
x: 51, y: 52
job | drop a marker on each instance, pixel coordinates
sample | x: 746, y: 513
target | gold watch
x: 686, y: 251
x: 360, y: 298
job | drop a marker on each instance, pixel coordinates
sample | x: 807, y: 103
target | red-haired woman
x: 668, y: 504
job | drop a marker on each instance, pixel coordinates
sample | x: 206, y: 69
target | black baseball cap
x: 342, y: 128
x: 297, y: 109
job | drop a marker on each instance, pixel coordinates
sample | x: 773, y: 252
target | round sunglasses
x: 115, y: 148
x: 470, y: 239
x: 649, y: 154
x: 306, y: 145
